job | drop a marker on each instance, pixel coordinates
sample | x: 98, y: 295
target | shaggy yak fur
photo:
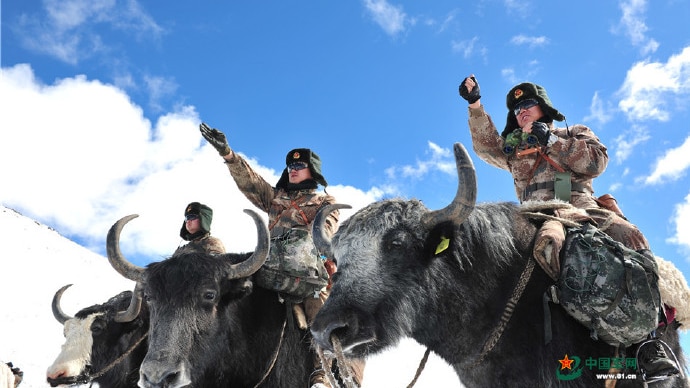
x: 395, y: 280
x: 226, y: 331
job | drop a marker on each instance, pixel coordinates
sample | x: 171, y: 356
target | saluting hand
x: 216, y: 138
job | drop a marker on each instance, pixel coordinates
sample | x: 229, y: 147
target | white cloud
x: 633, y: 25
x: 391, y: 18
x: 625, y: 143
x: 650, y: 87
x: 469, y: 48
x: 681, y: 220
x: 597, y: 110
x: 66, y: 30
x: 672, y: 166
x: 440, y: 159
x: 79, y: 154
x: 531, y: 41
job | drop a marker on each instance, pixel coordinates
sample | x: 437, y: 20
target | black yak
x: 445, y: 278
x: 210, y: 326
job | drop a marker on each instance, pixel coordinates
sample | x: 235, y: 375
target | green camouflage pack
x: 293, y: 266
x: 607, y: 287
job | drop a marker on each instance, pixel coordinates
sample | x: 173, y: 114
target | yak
x: 448, y: 278
x: 104, y: 343
x: 210, y: 326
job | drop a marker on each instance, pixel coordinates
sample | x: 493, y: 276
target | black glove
x: 470, y: 95
x: 541, y: 131
x: 216, y: 138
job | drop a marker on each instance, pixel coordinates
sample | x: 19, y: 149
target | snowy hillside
x: 36, y: 261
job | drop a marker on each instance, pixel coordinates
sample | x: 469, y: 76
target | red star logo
x: 565, y: 362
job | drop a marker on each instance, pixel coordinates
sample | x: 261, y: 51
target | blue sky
x: 101, y: 100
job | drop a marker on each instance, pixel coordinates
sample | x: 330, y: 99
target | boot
x: 654, y: 362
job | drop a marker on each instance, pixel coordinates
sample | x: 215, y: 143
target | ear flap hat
x: 525, y: 91
x: 303, y: 155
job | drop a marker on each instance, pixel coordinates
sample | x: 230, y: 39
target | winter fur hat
x: 205, y: 214
x: 303, y: 155
x: 525, y: 91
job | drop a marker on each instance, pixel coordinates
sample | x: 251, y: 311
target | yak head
x: 187, y: 296
x: 103, y: 342
x: 384, y: 253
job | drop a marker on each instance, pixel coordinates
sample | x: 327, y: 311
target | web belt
x: 550, y: 186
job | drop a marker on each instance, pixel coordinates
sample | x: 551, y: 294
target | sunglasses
x: 191, y: 217
x: 525, y: 104
x: 296, y: 166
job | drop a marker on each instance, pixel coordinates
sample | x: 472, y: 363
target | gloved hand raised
x: 471, y: 95
x: 541, y: 131
x: 216, y: 138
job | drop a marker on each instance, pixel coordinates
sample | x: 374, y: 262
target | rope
x: 420, y: 368
x: 275, y: 356
x: 507, y: 312
x: 343, y: 365
x: 118, y: 360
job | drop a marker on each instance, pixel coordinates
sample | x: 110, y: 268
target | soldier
x: 554, y: 163
x: 291, y: 206
x: 196, y: 229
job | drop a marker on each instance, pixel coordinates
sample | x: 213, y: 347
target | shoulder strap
x: 296, y: 206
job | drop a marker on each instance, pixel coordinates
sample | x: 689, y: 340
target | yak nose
x: 160, y: 373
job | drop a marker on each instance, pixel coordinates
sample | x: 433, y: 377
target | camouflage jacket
x: 279, y: 203
x: 577, y: 151
x: 205, y: 243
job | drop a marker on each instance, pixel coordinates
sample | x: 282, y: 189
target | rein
x: 507, y: 312
x: 117, y: 360
x: 275, y: 356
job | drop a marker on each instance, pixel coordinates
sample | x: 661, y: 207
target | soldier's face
x: 529, y: 115
x: 193, y: 225
x: 297, y: 176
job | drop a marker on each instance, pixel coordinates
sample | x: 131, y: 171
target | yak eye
x: 209, y: 295
x: 97, y: 326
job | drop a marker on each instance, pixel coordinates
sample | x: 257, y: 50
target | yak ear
x: 440, y: 240
x: 238, y: 288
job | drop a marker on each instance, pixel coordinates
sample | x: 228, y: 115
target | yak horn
x: 57, y: 310
x: 257, y: 259
x: 465, y: 197
x: 115, y: 257
x: 322, y: 241
x: 134, y: 306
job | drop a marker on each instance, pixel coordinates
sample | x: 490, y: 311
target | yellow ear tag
x: 443, y: 245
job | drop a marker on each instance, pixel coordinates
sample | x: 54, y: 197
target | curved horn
x: 465, y: 197
x: 134, y: 306
x: 57, y: 310
x: 115, y: 257
x: 322, y: 241
x: 257, y: 259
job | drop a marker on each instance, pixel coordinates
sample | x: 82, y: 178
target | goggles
x: 525, y: 104
x: 191, y: 217
x: 296, y: 166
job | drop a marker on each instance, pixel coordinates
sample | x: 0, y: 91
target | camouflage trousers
x: 620, y: 230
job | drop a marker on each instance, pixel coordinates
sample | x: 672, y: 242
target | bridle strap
x: 118, y: 360
x: 507, y: 312
x: 275, y: 356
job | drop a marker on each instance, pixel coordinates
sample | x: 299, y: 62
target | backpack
x: 611, y: 289
x: 293, y: 266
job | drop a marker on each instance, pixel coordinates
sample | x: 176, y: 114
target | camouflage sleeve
x: 486, y: 141
x: 213, y: 245
x: 251, y: 184
x: 332, y: 219
x: 580, y: 149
